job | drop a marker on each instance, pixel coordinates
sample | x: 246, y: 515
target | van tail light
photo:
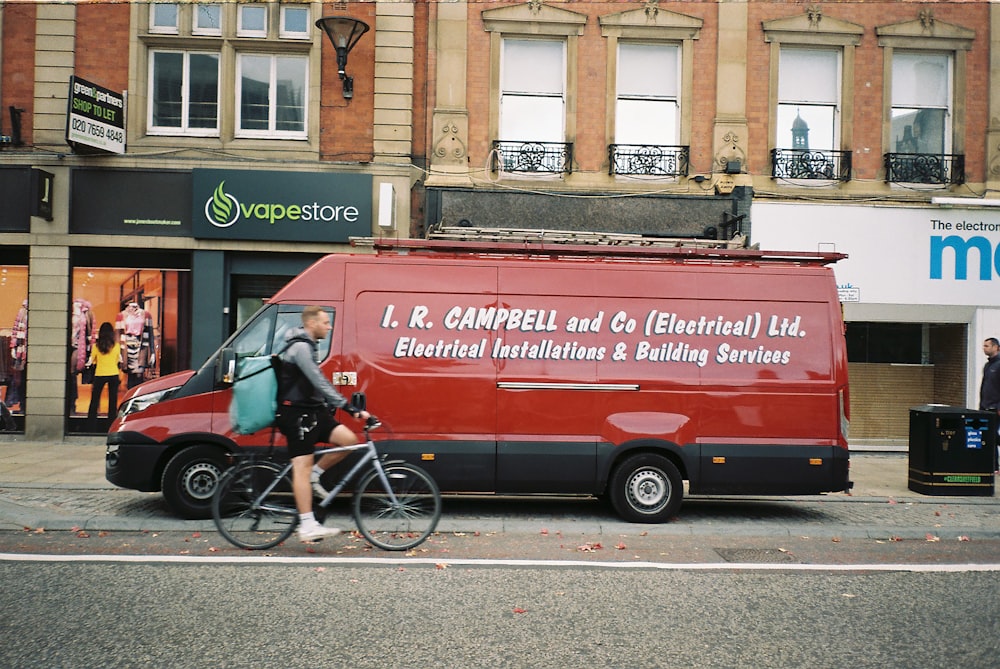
x: 845, y: 420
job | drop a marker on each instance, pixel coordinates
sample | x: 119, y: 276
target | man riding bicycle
x: 306, y: 402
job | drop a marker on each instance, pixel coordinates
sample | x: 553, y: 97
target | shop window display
x: 140, y: 305
x: 13, y: 336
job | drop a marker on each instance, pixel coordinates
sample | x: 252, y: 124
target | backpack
x: 255, y: 391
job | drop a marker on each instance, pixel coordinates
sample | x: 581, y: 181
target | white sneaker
x: 317, y: 533
x: 318, y: 488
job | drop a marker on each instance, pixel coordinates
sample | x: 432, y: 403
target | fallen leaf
x: 644, y: 533
x: 545, y: 530
x: 518, y: 609
x: 964, y: 538
x: 75, y: 528
x: 82, y: 535
x: 320, y: 569
x: 895, y: 538
x: 213, y: 549
x: 621, y: 546
x: 440, y: 565
x: 196, y: 535
x: 892, y: 501
x: 932, y: 538
x: 39, y: 530
x: 836, y: 540
x: 103, y: 533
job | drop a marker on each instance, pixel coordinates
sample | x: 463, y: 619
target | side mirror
x: 225, y: 370
x: 359, y: 402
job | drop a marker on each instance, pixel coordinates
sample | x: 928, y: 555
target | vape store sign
x: 280, y: 206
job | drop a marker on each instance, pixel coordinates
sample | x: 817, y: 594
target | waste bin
x: 952, y: 450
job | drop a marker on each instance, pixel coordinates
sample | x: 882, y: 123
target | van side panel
x: 738, y: 363
x: 433, y: 383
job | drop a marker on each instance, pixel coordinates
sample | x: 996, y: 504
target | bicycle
x: 396, y: 505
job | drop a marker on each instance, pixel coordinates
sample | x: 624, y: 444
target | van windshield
x: 265, y: 333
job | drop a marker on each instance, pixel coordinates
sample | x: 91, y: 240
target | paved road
x: 287, y: 616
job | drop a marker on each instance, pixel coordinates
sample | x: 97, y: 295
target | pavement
x: 62, y: 486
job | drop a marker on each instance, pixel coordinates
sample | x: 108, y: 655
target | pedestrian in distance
x: 106, y: 356
x: 989, y: 391
x: 306, y: 405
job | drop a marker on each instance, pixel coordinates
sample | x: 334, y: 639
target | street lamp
x: 344, y: 32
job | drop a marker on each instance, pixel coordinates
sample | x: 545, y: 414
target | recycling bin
x: 952, y: 450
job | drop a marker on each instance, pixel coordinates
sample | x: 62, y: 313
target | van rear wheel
x: 190, y: 478
x: 646, y: 488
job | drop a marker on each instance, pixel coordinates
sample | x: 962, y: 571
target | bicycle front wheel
x: 401, y: 516
x: 245, y: 515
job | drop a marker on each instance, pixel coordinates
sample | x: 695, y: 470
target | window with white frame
x: 533, y: 91
x: 252, y: 20
x: 184, y: 92
x: 295, y: 22
x: 207, y: 19
x: 921, y: 102
x: 808, y: 99
x: 263, y: 47
x: 271, y: 93
x: 647, y: 106
x: 163, y: 17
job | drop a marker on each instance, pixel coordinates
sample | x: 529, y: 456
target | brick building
x: 864, y: 126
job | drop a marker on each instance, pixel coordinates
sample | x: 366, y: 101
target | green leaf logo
x: 222, y: 209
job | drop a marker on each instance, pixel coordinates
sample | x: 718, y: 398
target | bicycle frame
x: 371, y: 456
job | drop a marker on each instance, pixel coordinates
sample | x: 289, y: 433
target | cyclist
x: 306, y: 403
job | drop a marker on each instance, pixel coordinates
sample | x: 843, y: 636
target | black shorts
x: 304, y: 427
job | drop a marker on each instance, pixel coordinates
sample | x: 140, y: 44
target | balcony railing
x: 925, y: 168
x: 648, y: 160
x: 533, y: 157
x: 811, y: 164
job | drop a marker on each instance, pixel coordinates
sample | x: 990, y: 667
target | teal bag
x: 255, y: 395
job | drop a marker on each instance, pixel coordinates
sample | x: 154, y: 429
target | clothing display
x: 19, y: 337
x: 19, y: 357
x: 82, y: 335
x: 135, y: 331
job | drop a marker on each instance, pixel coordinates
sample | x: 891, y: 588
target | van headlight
x: 143, y: 402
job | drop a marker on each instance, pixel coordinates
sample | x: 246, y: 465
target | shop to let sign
x: 95, y: 120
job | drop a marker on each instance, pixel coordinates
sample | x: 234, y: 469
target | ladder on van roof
x: 520, y: 241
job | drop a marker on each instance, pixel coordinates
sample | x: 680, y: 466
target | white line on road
x: 531, y: 564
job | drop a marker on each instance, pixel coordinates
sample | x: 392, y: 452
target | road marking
x: 475, y: 562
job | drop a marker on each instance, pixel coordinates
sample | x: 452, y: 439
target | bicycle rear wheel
x: 404, y: 523
x: 246, y: 517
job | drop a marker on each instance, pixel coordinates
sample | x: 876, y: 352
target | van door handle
x: 345, y: 378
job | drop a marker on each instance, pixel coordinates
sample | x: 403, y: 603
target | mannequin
x: 82, y: 337
x: 135, y: 331
x: 19, y: 356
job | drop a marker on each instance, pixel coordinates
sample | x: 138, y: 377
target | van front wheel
x: 646, y: 488
x: 189, y: 480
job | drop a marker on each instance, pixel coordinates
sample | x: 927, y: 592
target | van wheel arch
x: 189, y: 479
x: 646, y: 486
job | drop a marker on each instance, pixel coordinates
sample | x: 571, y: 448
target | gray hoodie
x: 301, y: 380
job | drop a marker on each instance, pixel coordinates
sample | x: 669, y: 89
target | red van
x: 617, y: 372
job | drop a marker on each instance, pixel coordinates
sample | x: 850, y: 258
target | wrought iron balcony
x: 811, y: 164
x: 533, y: 157
x: 648, y: 160
x: 925, y: 168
